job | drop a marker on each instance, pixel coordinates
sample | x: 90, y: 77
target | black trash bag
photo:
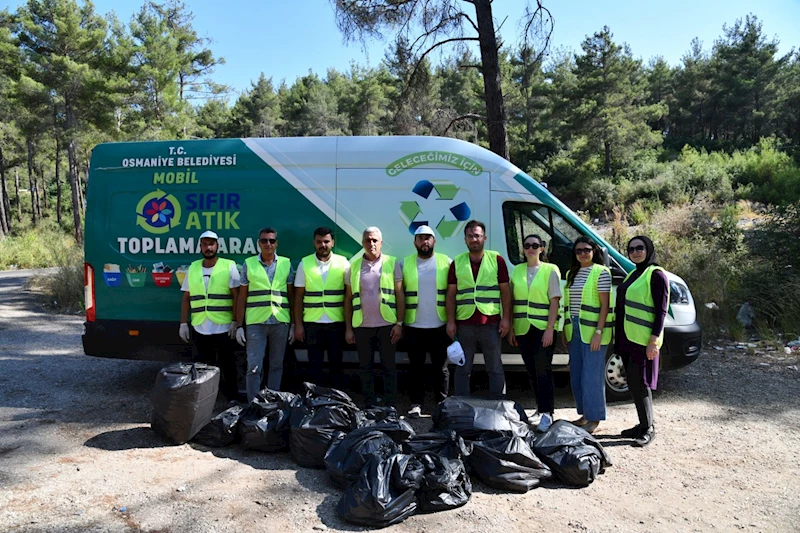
x: 574, y: 456
x: 346, y: 456
x: 475, y: 419
x: 286, y: 399
x: 445, y: 484
x: 264, y: 425
x: 384, y: 493
x: 385, y: 419
x: 313, y: 430
x: 508, y: 463
x: 222, y: 430
x: 445, y: 443
x: 183, y: 398
x: 317, y: 396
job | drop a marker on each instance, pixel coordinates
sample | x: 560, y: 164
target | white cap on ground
x: 455, y: 354
x: 208, y: 234
x: 424, y: 230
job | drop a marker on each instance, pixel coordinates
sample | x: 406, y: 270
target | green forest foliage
x: 607, y: 131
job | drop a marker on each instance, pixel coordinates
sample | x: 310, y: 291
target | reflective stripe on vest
x: 532, y: 303
x: 265, y: 299
x: 589, y: 313
x: 640, y: 309
x: 216, y: 303
x: 483, y: 293
x: 327, y: 297
x: 388, y: 300
x: 411, y: 281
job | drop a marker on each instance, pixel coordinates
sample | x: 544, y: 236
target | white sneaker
x: 415, y: 411
x: 534, y: 418
x: 545, y: 423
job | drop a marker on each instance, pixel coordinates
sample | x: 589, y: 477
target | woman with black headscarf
x: 642, y: 303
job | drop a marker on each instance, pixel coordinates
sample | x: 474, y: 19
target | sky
x: 285, y: 39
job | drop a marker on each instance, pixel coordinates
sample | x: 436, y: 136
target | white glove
x: 184, y: 332
x: 232, y: 330
x: 291, y: 333
x: 240, y: 337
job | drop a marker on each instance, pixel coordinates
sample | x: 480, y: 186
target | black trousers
x: 319, y: 338
x: 641, y: 393
x: 218, y: 350
x: 421, y: 342
x: 368, y: 341
x: 539, y: 364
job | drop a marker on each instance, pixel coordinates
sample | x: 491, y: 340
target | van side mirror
x: 606, y: 258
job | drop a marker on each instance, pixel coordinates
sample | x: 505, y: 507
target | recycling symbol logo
x: 436, y: 203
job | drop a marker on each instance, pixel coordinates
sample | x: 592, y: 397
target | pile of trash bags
x: 387, y: 471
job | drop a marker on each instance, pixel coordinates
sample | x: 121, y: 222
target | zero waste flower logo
x: 436, y: 203
x: 158, y: 212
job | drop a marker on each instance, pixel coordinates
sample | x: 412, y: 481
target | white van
x: 147, y: 203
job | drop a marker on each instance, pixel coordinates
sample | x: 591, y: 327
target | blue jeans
x: 259, y: 338
x: 587, y: 376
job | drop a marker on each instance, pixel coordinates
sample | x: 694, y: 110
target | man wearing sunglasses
x: 267, y: 288
x: 210, y: 294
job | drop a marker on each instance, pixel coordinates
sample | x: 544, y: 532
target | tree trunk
x: 73, y: 173
x: 41, y: 191
x: 495, y: 107
x: 16, y: 189
x: 58, y: 180
x: 607, y: 146
x: 31, y: 180
x: 6, y: 219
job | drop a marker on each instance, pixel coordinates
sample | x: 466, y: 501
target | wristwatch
x: 599, y: 331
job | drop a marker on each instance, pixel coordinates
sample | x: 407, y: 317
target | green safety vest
x: 589, y: 314
x: 483, y: 293
x: 532, y: 304
x: 640, y: 309
x: 215, y: 304
x: 388, y: 299
x: 265, y: 299
x: 325, y: 297
x: 411, y: 280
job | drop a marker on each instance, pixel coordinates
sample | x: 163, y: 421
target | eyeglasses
x: 532, y: 245
x: 639, y: 248
x: 583, y: 251
x: 265, y: 241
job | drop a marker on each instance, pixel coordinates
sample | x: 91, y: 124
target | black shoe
x: 631, y: 433
x: 645, y: 438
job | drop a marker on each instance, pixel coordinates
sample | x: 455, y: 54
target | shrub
x: 62, y: 286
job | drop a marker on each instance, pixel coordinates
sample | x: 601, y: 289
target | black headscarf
x: 650, y: 258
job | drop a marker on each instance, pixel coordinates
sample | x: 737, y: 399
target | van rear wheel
x: 616, y: 379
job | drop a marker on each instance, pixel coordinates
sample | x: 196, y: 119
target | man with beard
x: 425, y: 287
x: 477, y: 294
x: 374, y: 307
x: 319, y: 307
x: 209, y: 292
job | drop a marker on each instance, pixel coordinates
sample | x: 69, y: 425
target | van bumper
x: 138, y: 340
x: 681, y: 346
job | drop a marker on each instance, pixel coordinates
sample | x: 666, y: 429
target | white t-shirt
x: 553, y: 284
x: 208, y: 327
x: 576, y: 291
x: 324, y: 267
x: 427, y: 318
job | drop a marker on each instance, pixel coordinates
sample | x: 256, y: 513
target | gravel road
x: 77, y: 453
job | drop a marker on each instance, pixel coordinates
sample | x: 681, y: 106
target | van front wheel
x: 616, y: 379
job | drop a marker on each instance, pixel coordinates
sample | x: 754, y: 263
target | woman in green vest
x: 587, y: 330
x: 642, y: 303
x: 536, y: 287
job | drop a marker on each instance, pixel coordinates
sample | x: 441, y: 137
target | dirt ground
x: 77, y: 453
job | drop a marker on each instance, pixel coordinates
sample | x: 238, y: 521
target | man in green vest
x: 373, y: 308
x: 319, y: 307
x: 425, y: 287
x: 264, y: 307
x: 479, y: 309
x: 209, y: 293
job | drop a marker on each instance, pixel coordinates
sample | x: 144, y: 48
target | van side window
x: 525, y: 218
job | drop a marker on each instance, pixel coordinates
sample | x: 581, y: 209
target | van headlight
x: 678, y: 293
